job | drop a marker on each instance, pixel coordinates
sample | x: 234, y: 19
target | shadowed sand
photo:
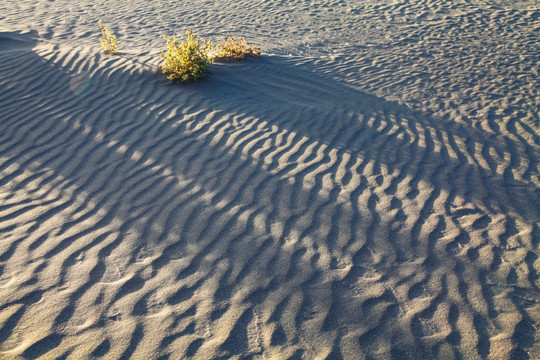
x: 269, y: 211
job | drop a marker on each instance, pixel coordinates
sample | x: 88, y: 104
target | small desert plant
x: 187, y: 61
x: 237, y: 49
x: 108, y: 41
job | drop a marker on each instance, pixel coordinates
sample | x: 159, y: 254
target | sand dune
x: 373, y: 196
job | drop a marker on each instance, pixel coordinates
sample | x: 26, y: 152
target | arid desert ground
x: 367, y: 188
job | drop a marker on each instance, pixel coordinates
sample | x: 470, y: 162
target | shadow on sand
x: 254, y: 176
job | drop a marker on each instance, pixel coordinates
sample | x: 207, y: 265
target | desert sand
x: 368, y: 188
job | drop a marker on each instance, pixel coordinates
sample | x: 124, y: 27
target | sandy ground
x: 367, y: 189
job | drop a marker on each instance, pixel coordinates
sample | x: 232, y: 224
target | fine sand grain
x: 369, y: 188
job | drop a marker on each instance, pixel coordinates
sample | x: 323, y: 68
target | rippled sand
x: 367, y: 189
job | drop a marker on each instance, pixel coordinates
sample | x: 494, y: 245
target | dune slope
x: 374, y: 196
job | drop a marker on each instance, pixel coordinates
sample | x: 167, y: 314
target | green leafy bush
x: 108, y: 41
x: 237, y: 49
x: 187, y: 61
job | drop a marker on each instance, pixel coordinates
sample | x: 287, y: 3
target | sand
x: 367, y: 189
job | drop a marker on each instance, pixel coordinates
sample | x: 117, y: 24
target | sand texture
x: 369, y: 188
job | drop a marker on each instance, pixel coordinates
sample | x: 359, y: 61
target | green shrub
x: 187, y: 61
x: 108, y: 41
x: 237, y: 49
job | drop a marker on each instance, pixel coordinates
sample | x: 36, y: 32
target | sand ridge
x: 286, y: 207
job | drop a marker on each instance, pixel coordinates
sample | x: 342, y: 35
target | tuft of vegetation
x: 189, y: 60
x: 237, y: 48
x: 108, y: 41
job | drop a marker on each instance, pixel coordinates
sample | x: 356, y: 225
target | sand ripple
x: 271, y: 210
